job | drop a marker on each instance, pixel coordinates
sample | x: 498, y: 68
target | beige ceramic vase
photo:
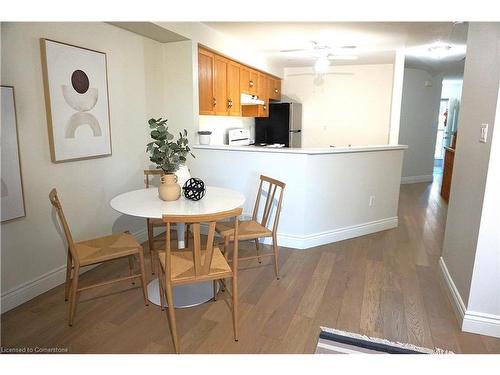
x: 169, y: 189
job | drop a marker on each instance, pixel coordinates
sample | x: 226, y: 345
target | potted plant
x: 168, y: 155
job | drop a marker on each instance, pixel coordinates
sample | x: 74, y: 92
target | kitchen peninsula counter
x: 331, y: 194
x: 308, y: 151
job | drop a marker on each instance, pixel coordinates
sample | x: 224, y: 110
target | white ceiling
x: 375, y: 42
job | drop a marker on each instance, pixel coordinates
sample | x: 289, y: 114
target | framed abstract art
x: 11, y: 181
x: 76, y: 99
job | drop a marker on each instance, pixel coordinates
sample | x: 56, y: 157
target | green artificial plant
x: 166, y: 153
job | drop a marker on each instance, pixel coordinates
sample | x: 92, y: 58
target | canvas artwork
x: 11, y: 181
x: 76, y: 93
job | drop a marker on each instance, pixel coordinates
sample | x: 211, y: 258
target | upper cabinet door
x: 275, y: 89
x: 233, y: 89
x: 248, y: 80
x: 254, y: 82
x: 206, y: 82
x: 263, y: 86
x: 220, y: 85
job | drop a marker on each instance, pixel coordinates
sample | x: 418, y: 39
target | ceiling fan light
x: 321, y: 65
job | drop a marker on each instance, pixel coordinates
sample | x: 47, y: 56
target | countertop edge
x: 306, y: 151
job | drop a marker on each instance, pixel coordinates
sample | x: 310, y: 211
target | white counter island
x: 331, y: 194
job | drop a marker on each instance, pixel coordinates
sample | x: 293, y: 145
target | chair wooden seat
x: 182, y: 267
x: 97, y: 250
x: 106, y: 248
x: 248, y: 230
x: 254, y: 229
x: 197, y: 263
x: 157, y: 222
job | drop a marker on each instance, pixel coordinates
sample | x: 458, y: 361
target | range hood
x: 247, y: 99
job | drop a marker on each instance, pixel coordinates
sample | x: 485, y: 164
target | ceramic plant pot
x: 169, y: 189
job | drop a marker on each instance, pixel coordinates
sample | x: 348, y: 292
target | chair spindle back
x: 202, y: 254
x: 151, y: 173
x: 54, y: 199
x: 272, y: 186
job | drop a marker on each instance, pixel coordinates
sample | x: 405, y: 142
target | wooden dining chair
x: 257, y: 227
x: 156, y: 223
x: 97, y: 250
x: 197, y: 264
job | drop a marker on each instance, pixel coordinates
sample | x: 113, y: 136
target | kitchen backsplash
x: 219, y: 125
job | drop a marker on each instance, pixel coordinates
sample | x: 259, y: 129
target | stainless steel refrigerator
x: 283, y: 126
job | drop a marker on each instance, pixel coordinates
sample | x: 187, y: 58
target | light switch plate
x: 483, y: 137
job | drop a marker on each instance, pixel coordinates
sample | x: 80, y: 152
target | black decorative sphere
x: 194, y: 189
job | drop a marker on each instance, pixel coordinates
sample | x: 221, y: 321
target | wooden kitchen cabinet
x: 206, y: 82
x: 449, y: 158
x: 263, y: 94
x: 259, y: 110
x: 222, y: 80
x: 248, y: 80
x: 220, y: 86
x: 233, y: 89
x: 274, y: 88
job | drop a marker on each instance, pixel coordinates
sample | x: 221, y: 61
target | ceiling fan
x: 323, y: 50
x: 323, y: 54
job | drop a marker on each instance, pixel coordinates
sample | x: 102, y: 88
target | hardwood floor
x: 385, y: 284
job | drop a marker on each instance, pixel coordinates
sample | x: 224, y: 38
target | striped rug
x: 333, y: 341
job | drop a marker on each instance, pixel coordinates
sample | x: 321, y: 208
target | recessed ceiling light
x: 439, y: 51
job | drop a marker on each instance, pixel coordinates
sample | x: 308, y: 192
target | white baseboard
x: 323, y: 238
x: 471, y: 321
x: 456, y: 299
x: 30, y: 289
x: 416, y: 179
x: 481, y: 323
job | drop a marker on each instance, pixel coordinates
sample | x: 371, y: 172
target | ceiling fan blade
x: 293, y: 50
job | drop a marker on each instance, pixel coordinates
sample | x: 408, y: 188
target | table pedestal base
x: 184, y: 295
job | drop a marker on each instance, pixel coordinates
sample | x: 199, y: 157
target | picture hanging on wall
x: 76, y: 99
x: 11, y: 181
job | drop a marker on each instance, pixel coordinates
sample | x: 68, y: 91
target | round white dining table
x: 146, y: 203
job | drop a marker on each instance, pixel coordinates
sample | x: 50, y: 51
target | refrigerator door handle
x: 296, y: 131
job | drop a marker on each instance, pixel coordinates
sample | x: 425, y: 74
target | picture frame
x: 12, y: 189
x: 76, y: 100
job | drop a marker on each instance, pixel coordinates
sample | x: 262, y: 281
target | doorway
x: 440, y: 136
x: 447, y: 121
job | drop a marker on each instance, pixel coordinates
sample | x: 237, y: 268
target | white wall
x: 351, y: 106
x: 419, y: 121
x: 33, y: 253
x: 397, y: 96
x: 469, y: 226
x: 327, y: 195
x: 484, y: 300
x: 181, y: 87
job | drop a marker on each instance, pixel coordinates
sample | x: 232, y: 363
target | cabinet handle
x: 250, y: 83
x: 215, y: 102
x: 265, y: 107
x: 229, y: 103
x: 276, y: 91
